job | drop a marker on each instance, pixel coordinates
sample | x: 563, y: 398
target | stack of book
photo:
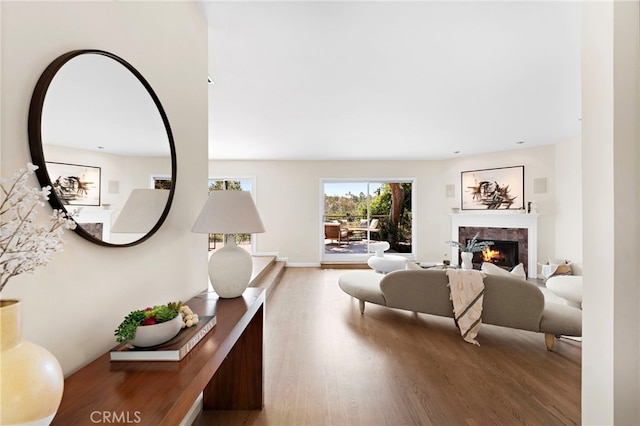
x: 173, y: 350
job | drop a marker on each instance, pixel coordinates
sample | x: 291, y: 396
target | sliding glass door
x: 357, y: 213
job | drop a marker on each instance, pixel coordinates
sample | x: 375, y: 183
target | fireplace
x: 510, y: 243
x: 500, y: 226
x: 500, y: 253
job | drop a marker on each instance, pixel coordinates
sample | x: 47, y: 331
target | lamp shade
x: 141, y: 211
x: 229, y: 212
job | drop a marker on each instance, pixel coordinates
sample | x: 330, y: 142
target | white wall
x: 288, y: 197
x: 73, y: 305
x: 568, y: 197
x: 611, y: 176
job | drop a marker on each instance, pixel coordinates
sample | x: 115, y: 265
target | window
x: 161, y: 182
x: 356, y: 213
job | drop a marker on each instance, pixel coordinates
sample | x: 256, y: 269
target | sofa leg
x: 549, y: 341
x: 361, y: 306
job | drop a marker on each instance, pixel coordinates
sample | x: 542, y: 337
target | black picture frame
x: 493, y: 189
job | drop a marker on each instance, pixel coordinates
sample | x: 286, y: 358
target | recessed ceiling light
x: 520, y: 142
x: 456, y: 152
x: 101, y: 147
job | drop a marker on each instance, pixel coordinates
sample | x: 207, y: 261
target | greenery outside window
x: 216, y: 241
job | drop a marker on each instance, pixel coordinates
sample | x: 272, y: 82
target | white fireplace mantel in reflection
x: 501, y: 219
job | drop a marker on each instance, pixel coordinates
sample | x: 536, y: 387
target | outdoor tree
x: 393, y: 201
x: 233, y: 185
x: 395, y: 212
x: 347, y: 206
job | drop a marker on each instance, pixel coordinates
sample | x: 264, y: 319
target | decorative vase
x: 31, y: 377
x: 466, y: 257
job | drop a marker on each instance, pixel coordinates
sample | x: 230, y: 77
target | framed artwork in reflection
x: 75, y: 184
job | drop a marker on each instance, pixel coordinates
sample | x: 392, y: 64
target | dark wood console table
x: 226, y: 365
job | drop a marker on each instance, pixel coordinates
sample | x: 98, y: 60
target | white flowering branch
x: 23, y: 245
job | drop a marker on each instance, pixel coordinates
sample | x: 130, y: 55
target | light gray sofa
x: 508, y: 301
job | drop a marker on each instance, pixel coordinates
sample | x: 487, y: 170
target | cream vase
x: 31, y: 379
x: 467, y: 258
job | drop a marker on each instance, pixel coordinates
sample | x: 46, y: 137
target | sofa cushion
x: 516, y: 272
x: 512, y: 302
x: 425, y: 290
x: 413, y: 265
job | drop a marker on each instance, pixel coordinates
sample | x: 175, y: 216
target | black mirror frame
x: 37, y: 152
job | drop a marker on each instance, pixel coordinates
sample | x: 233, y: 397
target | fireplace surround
x: 507, y: 226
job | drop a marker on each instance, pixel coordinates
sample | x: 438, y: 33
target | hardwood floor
x: 325, y: 364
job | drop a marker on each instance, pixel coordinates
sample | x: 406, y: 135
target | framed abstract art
x: 493, y: 189
x: 74, y: 184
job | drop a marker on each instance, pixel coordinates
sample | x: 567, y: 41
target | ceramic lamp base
x: 230, y: 269
x: 31, y: 377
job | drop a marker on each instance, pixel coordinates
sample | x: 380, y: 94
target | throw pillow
x: 413, y: 265
x: 516, y: 272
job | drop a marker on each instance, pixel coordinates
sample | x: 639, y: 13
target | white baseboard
x: 302, y: 265
x: 267, y: 253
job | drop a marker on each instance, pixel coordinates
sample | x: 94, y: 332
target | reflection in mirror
x: 92, y: 114
x: 141, y: 205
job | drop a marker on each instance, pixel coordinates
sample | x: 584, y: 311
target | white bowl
x: 151, y: 335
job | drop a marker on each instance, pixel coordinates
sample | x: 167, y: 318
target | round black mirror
x: 102, y: 141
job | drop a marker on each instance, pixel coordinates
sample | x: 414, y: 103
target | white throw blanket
x: 467, y: 292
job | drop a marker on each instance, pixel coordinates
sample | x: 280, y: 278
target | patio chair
x: 373, y: 228
x: 335, y: 232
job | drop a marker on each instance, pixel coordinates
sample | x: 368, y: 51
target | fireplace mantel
x: 528, y: 221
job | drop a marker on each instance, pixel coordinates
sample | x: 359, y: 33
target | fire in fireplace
x: 501, y: 253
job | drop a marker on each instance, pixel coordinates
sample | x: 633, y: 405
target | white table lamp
x: 229, y: 213
x: 141, y: 211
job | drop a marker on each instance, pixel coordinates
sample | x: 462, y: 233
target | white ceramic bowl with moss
x: 152, y: 335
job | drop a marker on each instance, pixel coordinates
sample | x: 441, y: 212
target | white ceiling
x: 110, y: 110
x: 390, y: 80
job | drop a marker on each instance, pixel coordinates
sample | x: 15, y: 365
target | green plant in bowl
x: 127, y: 329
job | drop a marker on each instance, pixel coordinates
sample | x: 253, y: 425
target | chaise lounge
x: 508, y: 301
